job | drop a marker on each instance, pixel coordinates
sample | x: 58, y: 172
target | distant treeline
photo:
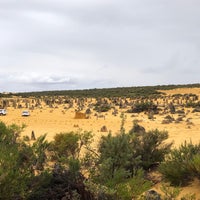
x: 140, y: 91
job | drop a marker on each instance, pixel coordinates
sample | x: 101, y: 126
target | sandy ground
x: 56, y: 120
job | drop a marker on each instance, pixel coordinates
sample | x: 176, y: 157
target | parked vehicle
x: 25, y: 113
x: 3, y: 112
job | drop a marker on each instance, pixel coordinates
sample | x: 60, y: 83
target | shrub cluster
x: 123, y: 159
x: 142, y: 107
x: 102, y: 107
x: 116, y: 170
x: 182, y: 164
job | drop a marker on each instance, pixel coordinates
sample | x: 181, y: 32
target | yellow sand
x: 56, y: 120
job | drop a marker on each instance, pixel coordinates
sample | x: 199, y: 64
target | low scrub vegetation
x: 102, y: 107
x: 143, y: 107
x: 142, y: 91
x: 117, y: 169
x: 182, y: 164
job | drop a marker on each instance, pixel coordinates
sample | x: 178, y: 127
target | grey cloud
x: 133, y: 39
x: 36, y: 82
x: 24, y: 82
x: 35, y: 78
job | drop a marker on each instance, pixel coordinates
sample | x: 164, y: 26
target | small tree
x: 115, y: 154
x: 121, y: 157
x: 66, y: 144
x: 148, y: 146
x: 69, y: 145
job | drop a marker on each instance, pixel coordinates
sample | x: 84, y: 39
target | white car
x: 25, y: 113
x: 3, y: 112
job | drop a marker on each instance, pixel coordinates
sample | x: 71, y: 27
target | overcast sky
x: 78, y: 44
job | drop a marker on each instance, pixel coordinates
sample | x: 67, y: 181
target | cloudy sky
x: 77, y: 44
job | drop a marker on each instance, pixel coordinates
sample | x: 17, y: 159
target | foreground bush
x: 18, y: 161
x: 25, y: 172
x: 59, y: 184
x: 122, y: 160
x: 182, y: 164
x: 116, y: 170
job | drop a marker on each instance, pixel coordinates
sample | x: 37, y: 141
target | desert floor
x: 55, y: 121
x: 52, y: 121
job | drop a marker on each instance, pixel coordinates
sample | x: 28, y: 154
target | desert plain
x: 57, y: 117
x: 60, y: 117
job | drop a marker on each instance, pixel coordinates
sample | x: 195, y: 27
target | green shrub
x: 143, y: 106
x: 66, y: 144
x: 133, y: 187
x: 58, y: 184
x: 127, y: 152
x: 194, y: 165
x: 152, y: 149
x: 170, y: 193
x: 175, y: 172
x: 102, y: 107
x: 100, y: 191
x: 114, y: 154
x: 149, y: 145
x: 181, y: 165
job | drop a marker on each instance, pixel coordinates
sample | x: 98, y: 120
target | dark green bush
x: 144, y: 106
x: 102, y: 107
x: 181, y: 165
x: 151, y: 147
x: 58, y: 184
x: 194, y: 165
x: 122, y: 157
x: 66, y: 145
x: 132, y: 187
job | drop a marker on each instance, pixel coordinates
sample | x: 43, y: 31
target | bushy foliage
x: 143, y: 106
x: 14, y: 171
x: 122, y: 158
x: 182, y: 164
x: 99, y: 191
x: 115, y: 154
x: 18, y: 160
x: 105, y: 92
x: 151, y: 147
x: 58, y: 184
x: 102, y: 107
x: 133, y: 150
x: 170, y: 192
x: 24, y: 169
x: 68, y: 145
x: 115, y: 171
x: 132, y: 188
x: 194, y: 165
x: 174, y: 193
